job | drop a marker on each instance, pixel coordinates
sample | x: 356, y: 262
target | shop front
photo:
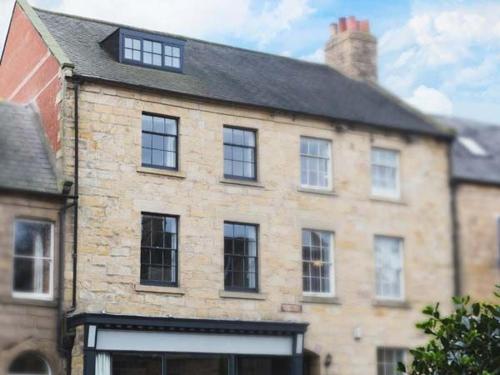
x: 126, y: 345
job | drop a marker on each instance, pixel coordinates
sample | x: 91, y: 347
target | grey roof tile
x: 25, y: 162
x: 239, y: 76
x: 469, y: 167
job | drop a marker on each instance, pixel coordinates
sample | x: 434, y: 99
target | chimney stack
x: 352, y: 49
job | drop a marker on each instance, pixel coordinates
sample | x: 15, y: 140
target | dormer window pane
x: 133, y: 49
x: 151, y: 50
x: 172, y: 56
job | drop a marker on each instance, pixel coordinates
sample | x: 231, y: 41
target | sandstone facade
x: 115, y: 189
x: 478, y: 214
x: 27, y: 325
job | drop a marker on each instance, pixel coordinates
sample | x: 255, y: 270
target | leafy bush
x: 467, y: 342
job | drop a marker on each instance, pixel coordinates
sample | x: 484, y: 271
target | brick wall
x: 30, y: 73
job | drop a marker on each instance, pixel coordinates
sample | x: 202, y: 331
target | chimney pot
x: 334, y: 28
x: 342, y: 24
x: 352, y: 49
x: 364, y: 26
x: 351, y: 23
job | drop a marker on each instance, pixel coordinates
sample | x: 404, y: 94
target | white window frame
x: 29, y: 295
x: 387, y: 193
x: 329, y: 164
x: 332, y: 291
x: 401, y: 297
x: 393, y: 348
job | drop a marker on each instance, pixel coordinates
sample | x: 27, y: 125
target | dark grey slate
x: 466, y: 166
x: 25, y: 162
x: 239, y: 76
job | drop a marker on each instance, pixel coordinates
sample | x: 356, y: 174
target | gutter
x: 439, y: 135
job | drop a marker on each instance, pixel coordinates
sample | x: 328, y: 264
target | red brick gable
x: 29, y: 72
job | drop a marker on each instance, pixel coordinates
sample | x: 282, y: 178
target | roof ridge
x: 165, y: 33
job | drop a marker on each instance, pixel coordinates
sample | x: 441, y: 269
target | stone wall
x: 114, y: 190
x: 478, y: 210
x: 26, y: 325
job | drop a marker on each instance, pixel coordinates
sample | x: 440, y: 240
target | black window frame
x: 241, y: 289
x: 157, y: 282
x: 255, y: 150
x: 177, y: 121
x: 164, y: 40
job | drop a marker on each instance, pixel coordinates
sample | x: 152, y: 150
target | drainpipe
x: 76, y: 88
x: 455, y: 228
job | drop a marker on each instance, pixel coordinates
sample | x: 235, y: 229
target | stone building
x: 30, y: 209
x: 476, y: 196
x: 237, y: 212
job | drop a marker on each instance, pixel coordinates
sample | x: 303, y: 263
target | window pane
x: 191, y: 365
x: 157, y: 60
x: 137, y: 364
x: 147, y: 58
x: 170, y: 126
x: 159, y: 249
x: 157, y: 48
x: 136, y: 55
x: 147, y: 46
x: 136, y: 44
x: 147, y: 123
x: 239, y: 153
x: 128, y: 43
x: 240, y: 260
x: 168, y: 50
x: 176, y: 62
x: 315, y: 162
x: 317, y: 261
x: 128, y: 53
x: 176, y: 52
x: 385, y: 171
x: 388, y: 261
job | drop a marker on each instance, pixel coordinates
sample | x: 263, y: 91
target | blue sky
x: 440, y: 55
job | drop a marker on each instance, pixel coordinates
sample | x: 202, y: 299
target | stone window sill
x: 254, y: 184
x: 377, y: 198
x: 391, y: 303
x: 161, y: 172
x: 160, y: 289
x: 242, y: 295
x: 317, y: 191
x: 327, y: 300
x: 27, y: 302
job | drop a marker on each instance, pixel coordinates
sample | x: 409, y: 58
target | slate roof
x: 239, y: 76
x: 466, y: 166
x: 25, y: 163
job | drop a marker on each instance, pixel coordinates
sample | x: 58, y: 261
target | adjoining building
x: 476, y: 200
x: 32, y: 208
x: 236, y: 211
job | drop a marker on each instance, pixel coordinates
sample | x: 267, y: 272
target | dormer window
x: 149, y: 50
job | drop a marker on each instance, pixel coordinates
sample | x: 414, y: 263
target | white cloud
x: 441, y: 37
x: 246, y: 19
x: 5, y: 13
x: 430, y: 100
x: 317, y: 56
